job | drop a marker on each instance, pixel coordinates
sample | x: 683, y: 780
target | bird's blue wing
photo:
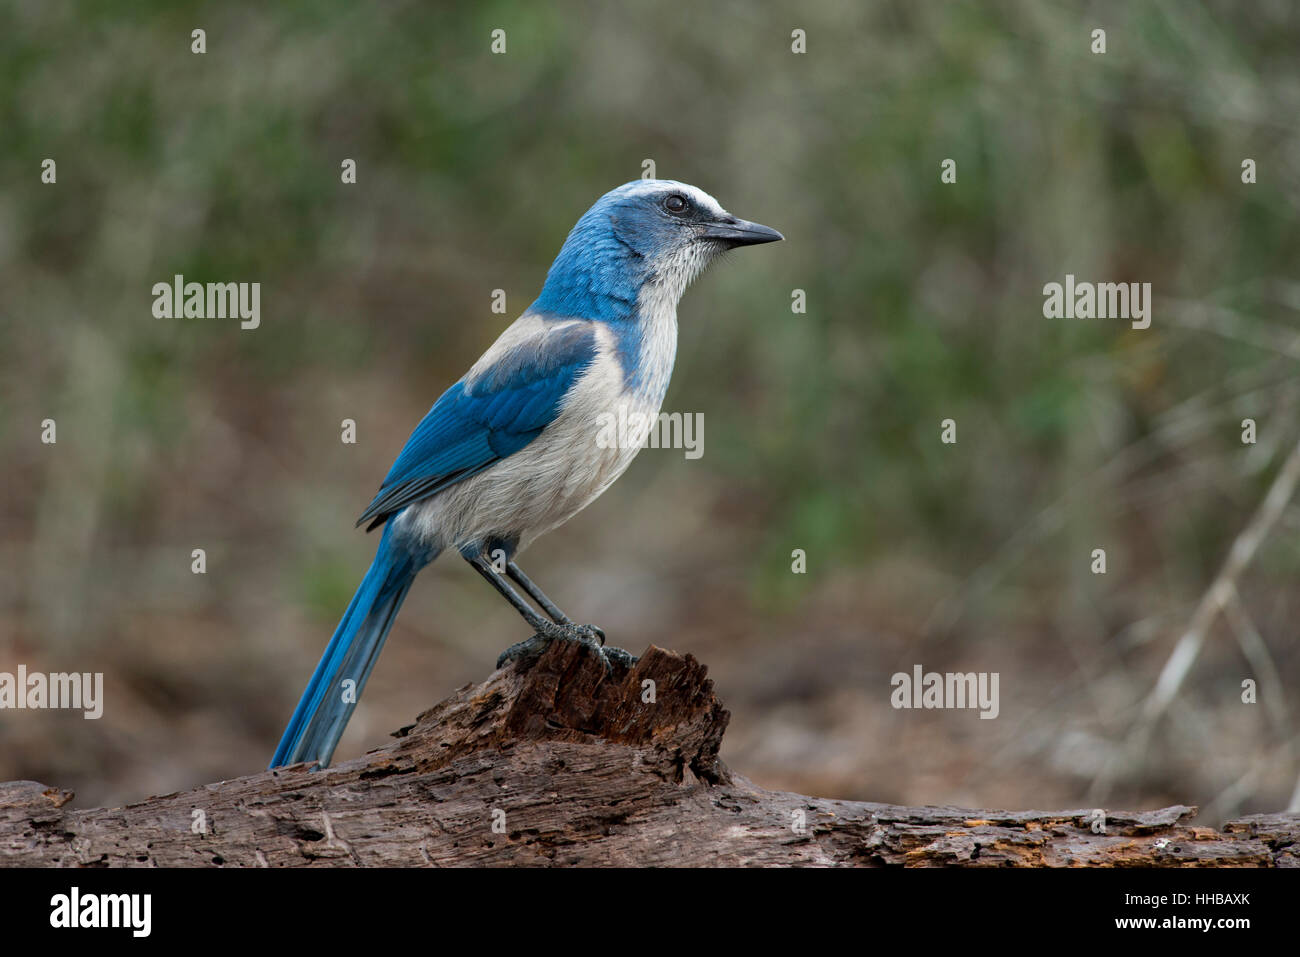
x: 480, y: 421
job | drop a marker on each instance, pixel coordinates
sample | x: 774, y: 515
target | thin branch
x: 1188, y: 648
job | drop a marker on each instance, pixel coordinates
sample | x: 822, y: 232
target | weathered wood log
x: 554, y: 761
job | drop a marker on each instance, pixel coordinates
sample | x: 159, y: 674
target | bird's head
x: 648, y: 231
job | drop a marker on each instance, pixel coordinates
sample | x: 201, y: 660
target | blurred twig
x: 1230, y: 324
x: 1215, y: 599
x: 1256, y: 651
x: 1190, y: 419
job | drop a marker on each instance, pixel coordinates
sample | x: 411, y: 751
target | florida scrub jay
x: 510, y: 451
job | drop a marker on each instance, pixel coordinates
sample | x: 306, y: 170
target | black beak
x: 739, y: 232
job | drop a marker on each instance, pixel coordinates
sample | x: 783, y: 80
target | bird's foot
x: 586, y: 634
x: 589, y: 635
x: 619, y: 656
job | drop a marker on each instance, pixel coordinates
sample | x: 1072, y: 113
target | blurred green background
x: 822, y: 429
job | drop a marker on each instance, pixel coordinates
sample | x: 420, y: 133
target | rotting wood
x: 554, y: 761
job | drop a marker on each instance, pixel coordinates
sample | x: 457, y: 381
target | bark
x: 554, y: 761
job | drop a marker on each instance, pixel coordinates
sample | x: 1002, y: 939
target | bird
x: 510, y: 450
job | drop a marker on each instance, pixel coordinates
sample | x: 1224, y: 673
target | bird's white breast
x: 572, y: 461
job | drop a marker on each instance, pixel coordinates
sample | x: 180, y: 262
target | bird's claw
x: 589, y: 635
x: 624, y: 658
x: 590, y: 632
x: 523, y: 650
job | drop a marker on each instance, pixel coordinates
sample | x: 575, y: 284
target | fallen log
x: 557, y: 761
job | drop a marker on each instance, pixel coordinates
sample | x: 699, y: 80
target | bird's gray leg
x: 535, y: 621
x: 536, y: 594
x: 546, y: 631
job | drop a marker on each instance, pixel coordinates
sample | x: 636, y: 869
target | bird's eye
x: 676, y: 203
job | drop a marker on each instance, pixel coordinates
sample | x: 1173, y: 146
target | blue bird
x: 512, y: 450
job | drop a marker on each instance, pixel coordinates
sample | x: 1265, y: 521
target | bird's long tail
x: 336, y: 684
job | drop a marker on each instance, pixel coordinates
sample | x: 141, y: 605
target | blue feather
x: 479, y: 422
x: 324, y: 709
